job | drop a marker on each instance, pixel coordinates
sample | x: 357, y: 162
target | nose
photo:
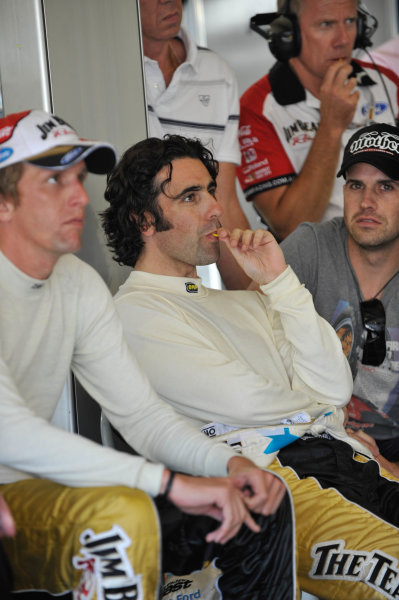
x: 79, y: 195
x: 343, y: 36
x: 214, y: 209
x: 368, y: 198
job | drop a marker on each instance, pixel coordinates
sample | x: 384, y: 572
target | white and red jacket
x: 279, y: 119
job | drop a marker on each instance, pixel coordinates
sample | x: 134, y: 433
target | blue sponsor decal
x: 379, y: 108
x: 280, y: 440
x: 5, y: 153
x: 71, y: 155
x: 191, y: 596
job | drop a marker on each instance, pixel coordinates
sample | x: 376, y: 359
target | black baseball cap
x: 377, y: 145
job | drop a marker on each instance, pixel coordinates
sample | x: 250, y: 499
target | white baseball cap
x: 45, y: 140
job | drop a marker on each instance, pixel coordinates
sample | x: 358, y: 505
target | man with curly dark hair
x: 133, y: 193
x: 261, y: 370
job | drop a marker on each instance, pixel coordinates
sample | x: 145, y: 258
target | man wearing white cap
x: 351, y: 266
x: 56, y: 314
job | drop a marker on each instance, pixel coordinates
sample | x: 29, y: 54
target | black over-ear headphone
x: 366, y: 26
x: 284, y: 34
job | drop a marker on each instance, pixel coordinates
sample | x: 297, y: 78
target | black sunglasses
x: 373, y: 318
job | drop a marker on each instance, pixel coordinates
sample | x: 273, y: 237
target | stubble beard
x: 375, y: 241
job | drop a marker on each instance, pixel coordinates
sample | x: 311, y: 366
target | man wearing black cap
x: 55, y: 314
x: 351, y: 266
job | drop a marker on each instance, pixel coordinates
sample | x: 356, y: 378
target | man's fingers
x: 364, y: 439
x: 337, y: 73
x: 267, y: 501
x: 342, y: 75
x: 245, y: 238
x: 251, y: 523
x: 350, y: 84
x: 228, y: 530
x: 241, y: 238
x: 276, y: 497
x: 222, y: 534
x: 338, y: 95
x: 231, y: 524
x: 7, y: 525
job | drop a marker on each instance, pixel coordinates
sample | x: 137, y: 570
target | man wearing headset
x: 296, y: 120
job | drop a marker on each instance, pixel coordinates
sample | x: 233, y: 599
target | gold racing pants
x: 105, y: 544
x: 97, y: 542
x: 346, y: 520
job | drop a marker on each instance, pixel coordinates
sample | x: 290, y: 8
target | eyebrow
x: 195, y: 188
x: 387, y: 180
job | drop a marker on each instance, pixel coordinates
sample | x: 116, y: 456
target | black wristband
x: 169, y: 484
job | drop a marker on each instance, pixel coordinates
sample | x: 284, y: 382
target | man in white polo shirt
x: 192, y: 91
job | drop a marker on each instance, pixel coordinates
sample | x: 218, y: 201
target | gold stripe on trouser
x: 323, y: 516
x: 95, y: 541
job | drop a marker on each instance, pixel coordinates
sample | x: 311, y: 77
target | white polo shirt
x: 200, y: 102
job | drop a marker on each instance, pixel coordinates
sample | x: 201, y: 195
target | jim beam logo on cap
x: 384, y: 141
x: 53, y: 123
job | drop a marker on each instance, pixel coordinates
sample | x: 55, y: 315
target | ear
x: 7, y: 208
x: 148, y: 228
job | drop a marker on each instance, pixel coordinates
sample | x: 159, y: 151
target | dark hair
x: 132, y: 191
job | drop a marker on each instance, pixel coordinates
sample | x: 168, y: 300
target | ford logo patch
x: 379, y: 107
x: 5, y: 153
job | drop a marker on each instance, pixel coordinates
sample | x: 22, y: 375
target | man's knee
x: 72, y: 537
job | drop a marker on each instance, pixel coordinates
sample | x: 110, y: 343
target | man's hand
x: 257, y: 252
x: 7, y: 525
x: 215, y: 497
x: 263, y: 491
x: 364, y: 439
x: 338, y: 97
x: 371, y: 444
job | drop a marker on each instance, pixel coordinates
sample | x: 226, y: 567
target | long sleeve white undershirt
x: 69, y: 320
x: 235, y: 357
